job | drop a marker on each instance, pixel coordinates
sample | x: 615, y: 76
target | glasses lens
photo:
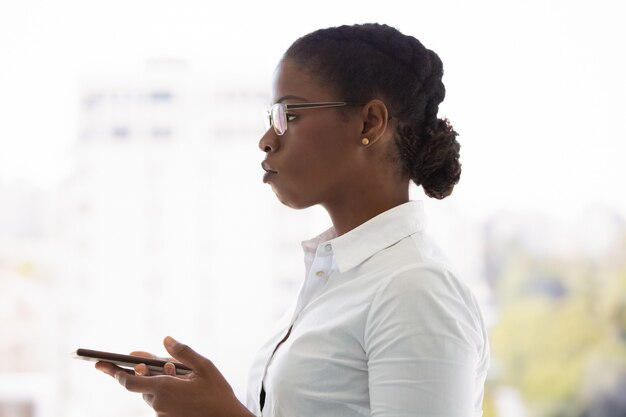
x: 279, y: 118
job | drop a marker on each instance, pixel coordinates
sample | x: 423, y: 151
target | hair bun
x: 439, y: 169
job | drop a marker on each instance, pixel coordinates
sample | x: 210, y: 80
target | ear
x: 375, y: 117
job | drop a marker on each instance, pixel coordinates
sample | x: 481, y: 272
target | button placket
x: 322, y: 263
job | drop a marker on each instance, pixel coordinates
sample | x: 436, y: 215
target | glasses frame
x: 269, y: 119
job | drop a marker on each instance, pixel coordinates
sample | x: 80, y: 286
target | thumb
x: 186, y: 355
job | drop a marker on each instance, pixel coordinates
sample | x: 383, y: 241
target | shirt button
x: 320, y: 273
x: 328, y: 248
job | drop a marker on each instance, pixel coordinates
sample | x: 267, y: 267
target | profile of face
x: 318, y: 158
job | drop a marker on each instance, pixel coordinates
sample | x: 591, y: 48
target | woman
x: 381, y: 325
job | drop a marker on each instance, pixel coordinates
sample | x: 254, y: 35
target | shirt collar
x: 376, y: 234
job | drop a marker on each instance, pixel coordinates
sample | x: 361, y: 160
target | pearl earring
x: 365, y: 141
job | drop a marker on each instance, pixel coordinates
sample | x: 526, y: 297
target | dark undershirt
x: 262, y: 396
x: 262, y: 399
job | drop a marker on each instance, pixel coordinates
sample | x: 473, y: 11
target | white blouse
x: 381, y: 327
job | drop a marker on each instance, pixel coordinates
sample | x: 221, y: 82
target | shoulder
x: 426, y: 286
x: 416, y: 263
x: 423, y: 296
x: 415, y: 266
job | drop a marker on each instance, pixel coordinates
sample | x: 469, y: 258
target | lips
x: 269, y: 172
x: 267, y: 168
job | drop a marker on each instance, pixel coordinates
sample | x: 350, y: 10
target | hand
x: 202, y: 393
x: 142, y: 369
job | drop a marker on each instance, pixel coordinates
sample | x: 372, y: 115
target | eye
x: 291, y: 116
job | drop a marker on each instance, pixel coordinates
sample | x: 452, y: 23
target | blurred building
x: 168, y: 229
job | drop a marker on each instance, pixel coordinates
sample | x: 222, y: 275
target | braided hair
x: 362, y: 62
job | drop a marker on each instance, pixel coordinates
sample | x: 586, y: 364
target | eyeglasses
x: 277, y: 116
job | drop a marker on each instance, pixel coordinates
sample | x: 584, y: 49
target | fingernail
x: 170, y: 341
x: 139, y: 371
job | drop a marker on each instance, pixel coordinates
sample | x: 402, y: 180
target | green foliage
x: 549, y: 343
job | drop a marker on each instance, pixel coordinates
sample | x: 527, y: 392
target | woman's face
x: 316, y: 160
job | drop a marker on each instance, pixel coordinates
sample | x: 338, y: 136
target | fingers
x: 110, y: 369
x: 186, y: 355
x: 134, y: 383
x: 126, y: 378
x: 142, y: 369
x: 107, y: 368
x: 149, y: 355
x: 169, y: 369
x: 143, y: 354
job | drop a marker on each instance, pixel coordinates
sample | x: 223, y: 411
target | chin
x: 292, y: 201
x: 298, y: 206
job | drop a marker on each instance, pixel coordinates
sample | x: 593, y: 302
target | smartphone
x: 128, y: 361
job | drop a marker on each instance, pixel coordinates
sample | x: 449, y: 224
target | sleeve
x: 425, y: 342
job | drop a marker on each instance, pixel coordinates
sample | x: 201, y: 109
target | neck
x: 351, y: 212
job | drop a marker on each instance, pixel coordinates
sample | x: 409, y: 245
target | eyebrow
x: 283, y: 98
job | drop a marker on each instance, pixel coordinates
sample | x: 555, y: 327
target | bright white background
x: 535, y: 88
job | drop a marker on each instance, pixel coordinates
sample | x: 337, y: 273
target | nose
x: 269, y: 141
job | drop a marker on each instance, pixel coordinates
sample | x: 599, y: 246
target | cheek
x: 325, y: 145
x: 304, y: 181
x: 315, y: 160
x: 305, y: 174
x: 313, y: 152
x: 316, y: 165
